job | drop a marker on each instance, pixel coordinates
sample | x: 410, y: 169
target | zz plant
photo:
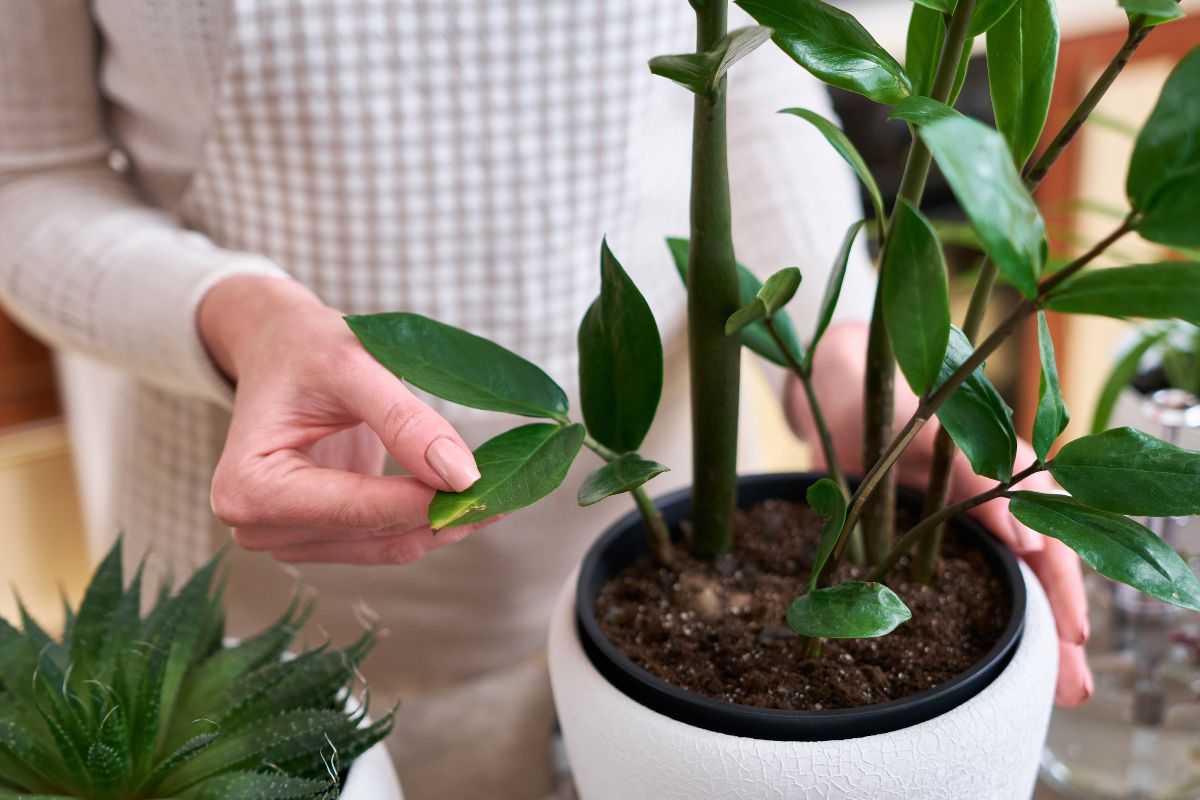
x: 992, y: 172
x: 127, y: 705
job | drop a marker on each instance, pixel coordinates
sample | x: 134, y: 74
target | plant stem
x: 713, y: 295
x: 929, y: 526
x: 657, y: 534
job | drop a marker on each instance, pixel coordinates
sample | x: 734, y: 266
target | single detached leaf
x: 987, y: 14
x: 1157, y: 11
x: 976, y: 417
x: 458, y: 366
x: 622, y: 475
x: 755, y: 336
x: 1163, y: 182
x: 851, y: 610
x: 916, y: 297
x: 1022, y: 53
x: 620, y: 361
x: 979, y: 168
x: 1122, y: 375
x: 1113, y: 545
x: 702, y: 72
x: 1166, y: 290
x: 833, y: 290
x: 775, y: 293
x: 846, y: 149
x: 832, y: 45
x: 926, y: 32
x: 1129, y: 472
x: 825, y: 497
x: 1052, y: 415
x: 922, y: 111
x: 519, y: 467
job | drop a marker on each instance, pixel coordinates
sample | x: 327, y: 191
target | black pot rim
x: 601, y: 562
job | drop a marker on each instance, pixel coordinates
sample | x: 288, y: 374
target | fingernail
x: 1085, y: 631
x: 1027, y: 540
x: 452, y: 463
x: 1089, y: 686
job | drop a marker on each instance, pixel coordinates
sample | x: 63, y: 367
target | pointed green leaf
x: 1113, y: 545
x: 1022, y: 53
x: 922, y: 111
x: 248, y: 785
x: 96, y: 613
x: 916, y: 297
x: 976, y: 417
x: 1163, y: 182
x: 987, y: 14
x: 1157, y: 11
x: 832, y: 45
x: 941, y: 6
x: 622, y: 475
x: 774, y: 294
x: 1122, y: 376
x: 851, y: 610
x: 620, y: 361
x: 519, y: 467
x: 825, y: 497
x: 701, y: 73
x: 833, y: 290
x: 846, y: 149
x: 458, y: 366
x: 1129, y: 472
x: 1166, y: 290
x: 1052, y: 415
x: 979, y: 168
x: 926, y: 32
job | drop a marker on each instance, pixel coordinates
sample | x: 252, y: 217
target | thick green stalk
x: 658, y: 536
x: 712, y: 296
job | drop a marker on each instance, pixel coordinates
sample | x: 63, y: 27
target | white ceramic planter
x: 372, y: 777
x: 985, y: 749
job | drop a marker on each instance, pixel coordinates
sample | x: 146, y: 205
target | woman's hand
x: 300, y: 475
x: 838, y: 377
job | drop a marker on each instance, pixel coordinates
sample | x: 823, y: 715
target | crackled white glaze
x: 372, y: 777
x: 986, y: 749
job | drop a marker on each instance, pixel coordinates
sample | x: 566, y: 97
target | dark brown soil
x: 719, y: 628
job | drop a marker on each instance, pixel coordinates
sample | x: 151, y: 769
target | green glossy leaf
x: 519, y: 467
x: 620, y: 361
x: 832, y: 45
x: 458, y: 366
x: 1157, y: 11
x: 1052, y: 414
x: 775, y: 293
x: 926, y: 32
x: 1122, y: 376
x: 1129, y: 472
x: 941, y: 6
x: 851, y: 610
x: 702, y: 72
x: 833, y: 290
x: 622, y: 475
x: 1166, y: 290
x: 1113, y: 545
x: 846, y: 149
x: 1022, y: 54
x: 979, y: 168
x: 825, y: 497
x: 987, y: 14
x: 1163, y: 182
x: 755, y: 336
x: 976, y: 417
x: 922, y: 111
x: 916, y: 297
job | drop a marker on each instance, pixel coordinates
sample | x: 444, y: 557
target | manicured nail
x: 453, y: 463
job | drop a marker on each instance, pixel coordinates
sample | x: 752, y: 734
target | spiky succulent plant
x: 129, y: 706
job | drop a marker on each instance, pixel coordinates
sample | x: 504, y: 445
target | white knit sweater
x: 458, y: 158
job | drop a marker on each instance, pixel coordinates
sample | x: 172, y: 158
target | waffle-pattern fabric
x: 457, y: 158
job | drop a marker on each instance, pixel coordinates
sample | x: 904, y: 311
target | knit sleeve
x: 84, y: 263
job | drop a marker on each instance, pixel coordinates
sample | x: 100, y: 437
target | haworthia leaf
x: 519, y: 467
x: 622, y: 475
x: 987, y: 14
x: 846, y: 149
x: 774, y: 294
x: 1022, y: 53
x: 620, y: 360
x: 1113, y: 545
x: 851, y: 610
x: 832, y: 45
x: 916, y: 297
x: 1166, y: 290
x: 702, y: 72
x: 1052, y: 415
x: 1157, y: 11
x: 1120, y: 378
x: 825, y: 497
x: 249, y: 785
x: 833, y: 290
x: 976, y: 417
x: 458, y: 366
x: 979, y: 168
x: 1129, y: 472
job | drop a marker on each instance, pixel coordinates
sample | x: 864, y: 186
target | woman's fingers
x: 401, y: 548
x: 1075, y: 682
x: 1058, y: 569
